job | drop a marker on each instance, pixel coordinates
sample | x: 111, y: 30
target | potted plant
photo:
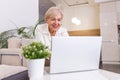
x: 36, y: 53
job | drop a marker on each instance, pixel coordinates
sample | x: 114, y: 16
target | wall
x: 88, y: 14
x: 17, y: 13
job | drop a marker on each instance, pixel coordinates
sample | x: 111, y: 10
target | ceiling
x: 75, y: 2
x: 80, y: 2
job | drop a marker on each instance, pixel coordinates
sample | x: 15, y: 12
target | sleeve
x: 38, y: 34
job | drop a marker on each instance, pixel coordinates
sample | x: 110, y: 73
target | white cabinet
x: 109, y: 32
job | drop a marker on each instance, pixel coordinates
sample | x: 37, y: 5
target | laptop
x: 75, y: 53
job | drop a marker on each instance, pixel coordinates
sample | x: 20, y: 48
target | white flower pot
x: 36, y: 69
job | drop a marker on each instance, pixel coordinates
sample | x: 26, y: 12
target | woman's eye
x: 59, y: 19
x: 55, y: 19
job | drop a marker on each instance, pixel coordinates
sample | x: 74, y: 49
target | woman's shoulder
x: 41, y: 27
x: 63, y: 29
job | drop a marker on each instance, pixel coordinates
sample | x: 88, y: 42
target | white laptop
x: 70, y: 54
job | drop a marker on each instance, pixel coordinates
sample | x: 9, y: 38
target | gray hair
x: 53, y: 11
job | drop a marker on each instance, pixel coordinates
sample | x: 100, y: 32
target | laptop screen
x: 75, y: 53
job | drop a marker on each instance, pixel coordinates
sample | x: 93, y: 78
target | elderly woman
x: 52, y: 27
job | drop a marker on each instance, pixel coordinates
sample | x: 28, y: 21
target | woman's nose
x: 56, y: 21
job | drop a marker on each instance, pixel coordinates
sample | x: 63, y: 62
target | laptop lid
x: 75, y: 54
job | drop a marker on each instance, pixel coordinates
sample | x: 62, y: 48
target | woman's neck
x: 52, y: 32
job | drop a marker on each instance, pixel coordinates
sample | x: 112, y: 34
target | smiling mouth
x: 55, y: 26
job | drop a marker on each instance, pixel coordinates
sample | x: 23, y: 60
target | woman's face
x: 54, y: 22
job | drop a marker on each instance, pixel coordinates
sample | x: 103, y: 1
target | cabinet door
x: 110, y: 52
x: 109, y: 32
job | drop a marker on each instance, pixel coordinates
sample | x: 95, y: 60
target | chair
x: 12, y: 63
x: 13, y: 54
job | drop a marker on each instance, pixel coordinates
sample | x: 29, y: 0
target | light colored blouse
x: 42, y: 34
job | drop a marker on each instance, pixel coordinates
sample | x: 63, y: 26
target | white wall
x: 17, y: 13
x: 88, y: 14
